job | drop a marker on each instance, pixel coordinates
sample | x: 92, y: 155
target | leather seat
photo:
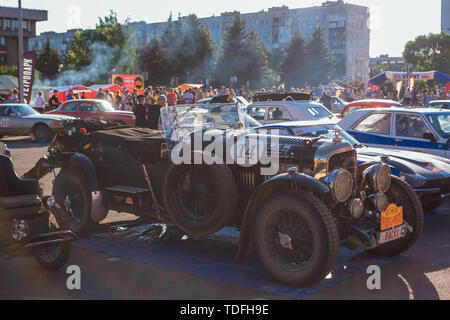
x: 18, y: 197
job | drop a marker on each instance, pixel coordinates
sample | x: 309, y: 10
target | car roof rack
x: 288, y: 96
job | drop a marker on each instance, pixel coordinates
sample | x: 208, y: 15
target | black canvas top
x: 144, y: 144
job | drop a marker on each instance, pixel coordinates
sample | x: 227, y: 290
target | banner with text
x: 29, y: 61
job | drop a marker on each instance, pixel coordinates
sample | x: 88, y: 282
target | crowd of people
x: 128, y: 100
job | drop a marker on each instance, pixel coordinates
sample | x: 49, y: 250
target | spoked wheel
x: 404, y: 196
x: 73, y: 195
x: 296, y: 239
x: 52, y: 256
x: 200, y: 199
x: 290, y: 240
x: 196, y: 194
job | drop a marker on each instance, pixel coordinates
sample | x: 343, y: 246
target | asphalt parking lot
x: 119, y: 263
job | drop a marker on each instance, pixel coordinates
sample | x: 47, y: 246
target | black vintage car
x: 201, y: 174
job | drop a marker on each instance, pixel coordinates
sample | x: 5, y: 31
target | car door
x: 277, y: 114
x: 10, y: 121
x: 410, y: 132
x: 89, y: 110
x: 258, y: 113
x: 71, y: 109
x: 374, y: 129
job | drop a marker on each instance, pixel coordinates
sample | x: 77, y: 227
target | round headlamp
x: 340, y: 182
x: 378, y: 177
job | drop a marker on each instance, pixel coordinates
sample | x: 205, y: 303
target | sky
x: 393, y: 22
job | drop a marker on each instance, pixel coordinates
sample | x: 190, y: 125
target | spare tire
x: 200, y: 199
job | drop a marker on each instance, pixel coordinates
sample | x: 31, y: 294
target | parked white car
x: 268, y: 112
x: 421, y: 130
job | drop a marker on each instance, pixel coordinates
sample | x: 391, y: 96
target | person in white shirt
x: 40, y: 102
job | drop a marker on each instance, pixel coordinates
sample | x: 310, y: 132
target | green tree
x: 48, y: 61
x: 242, y: 54
x: 294, y: 65
x: 429, y: 52
x: 154, y: 62
x: 11, y: 71
x: 319, y: 59
x: 111, y: 45
x: 185, y: 49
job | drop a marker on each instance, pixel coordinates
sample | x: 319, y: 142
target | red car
x: 95, y: 109
x: 366, y: 104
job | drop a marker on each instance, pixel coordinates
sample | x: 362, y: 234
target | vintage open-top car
x: 294, y: 200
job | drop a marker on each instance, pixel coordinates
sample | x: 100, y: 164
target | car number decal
x: 5, y: 123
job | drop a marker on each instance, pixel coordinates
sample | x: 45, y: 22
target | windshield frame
x: 189, y: 107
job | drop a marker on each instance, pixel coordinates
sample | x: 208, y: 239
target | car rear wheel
x: 296, y: 238
x: 73, y: 196
x: 200, y: 199
x: 42, y: 132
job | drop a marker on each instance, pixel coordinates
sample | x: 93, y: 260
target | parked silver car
x: 21, y: 119
x: 274, y: 111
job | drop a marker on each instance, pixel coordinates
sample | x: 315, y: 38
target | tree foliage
x: 294, y: 65
x: 319, y: 59
x: 429, y: 52
x: 242, y: 55
x: 111, y: 42
x: 48, y: 61
x: 185, y: 50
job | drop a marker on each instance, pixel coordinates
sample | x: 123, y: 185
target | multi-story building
x: 445, y: 16
x: 60, y: 41
x: 387, y: 63
x: 345, y: 27
x: 9, y: 32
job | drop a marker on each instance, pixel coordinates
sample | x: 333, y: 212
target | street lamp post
x: 20, y: 52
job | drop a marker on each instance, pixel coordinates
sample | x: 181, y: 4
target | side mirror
x: 429, y: 136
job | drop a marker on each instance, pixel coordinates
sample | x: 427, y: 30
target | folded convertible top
x: 144, y: 144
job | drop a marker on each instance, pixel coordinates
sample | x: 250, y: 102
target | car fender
x: 299, y: 181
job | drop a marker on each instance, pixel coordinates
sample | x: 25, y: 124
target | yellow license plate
x: 391, y: 217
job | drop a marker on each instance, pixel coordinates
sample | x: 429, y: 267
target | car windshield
x: 25, y: 111
x: 441, y: 122
x: 319, y: 112
x: 105, y: 106
x: 210, y: 115
x: 325, y: 131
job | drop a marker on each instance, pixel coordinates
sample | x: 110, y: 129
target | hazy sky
x: 394, y: 22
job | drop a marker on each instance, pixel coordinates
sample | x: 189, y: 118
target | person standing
x: 54, y: 101
x: 154, y: 112
x: 40, y: 103
x: 171, y: 97
x: 140, y: 113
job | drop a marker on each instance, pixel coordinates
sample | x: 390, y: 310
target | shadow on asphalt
x: 23, y: 143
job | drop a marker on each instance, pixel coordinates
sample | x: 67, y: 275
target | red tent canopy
x: 80, y: 89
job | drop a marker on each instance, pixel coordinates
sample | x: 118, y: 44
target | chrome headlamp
x: 378, y: 178
x: 340, y: 182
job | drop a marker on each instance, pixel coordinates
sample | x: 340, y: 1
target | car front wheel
x: 296, y: 239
